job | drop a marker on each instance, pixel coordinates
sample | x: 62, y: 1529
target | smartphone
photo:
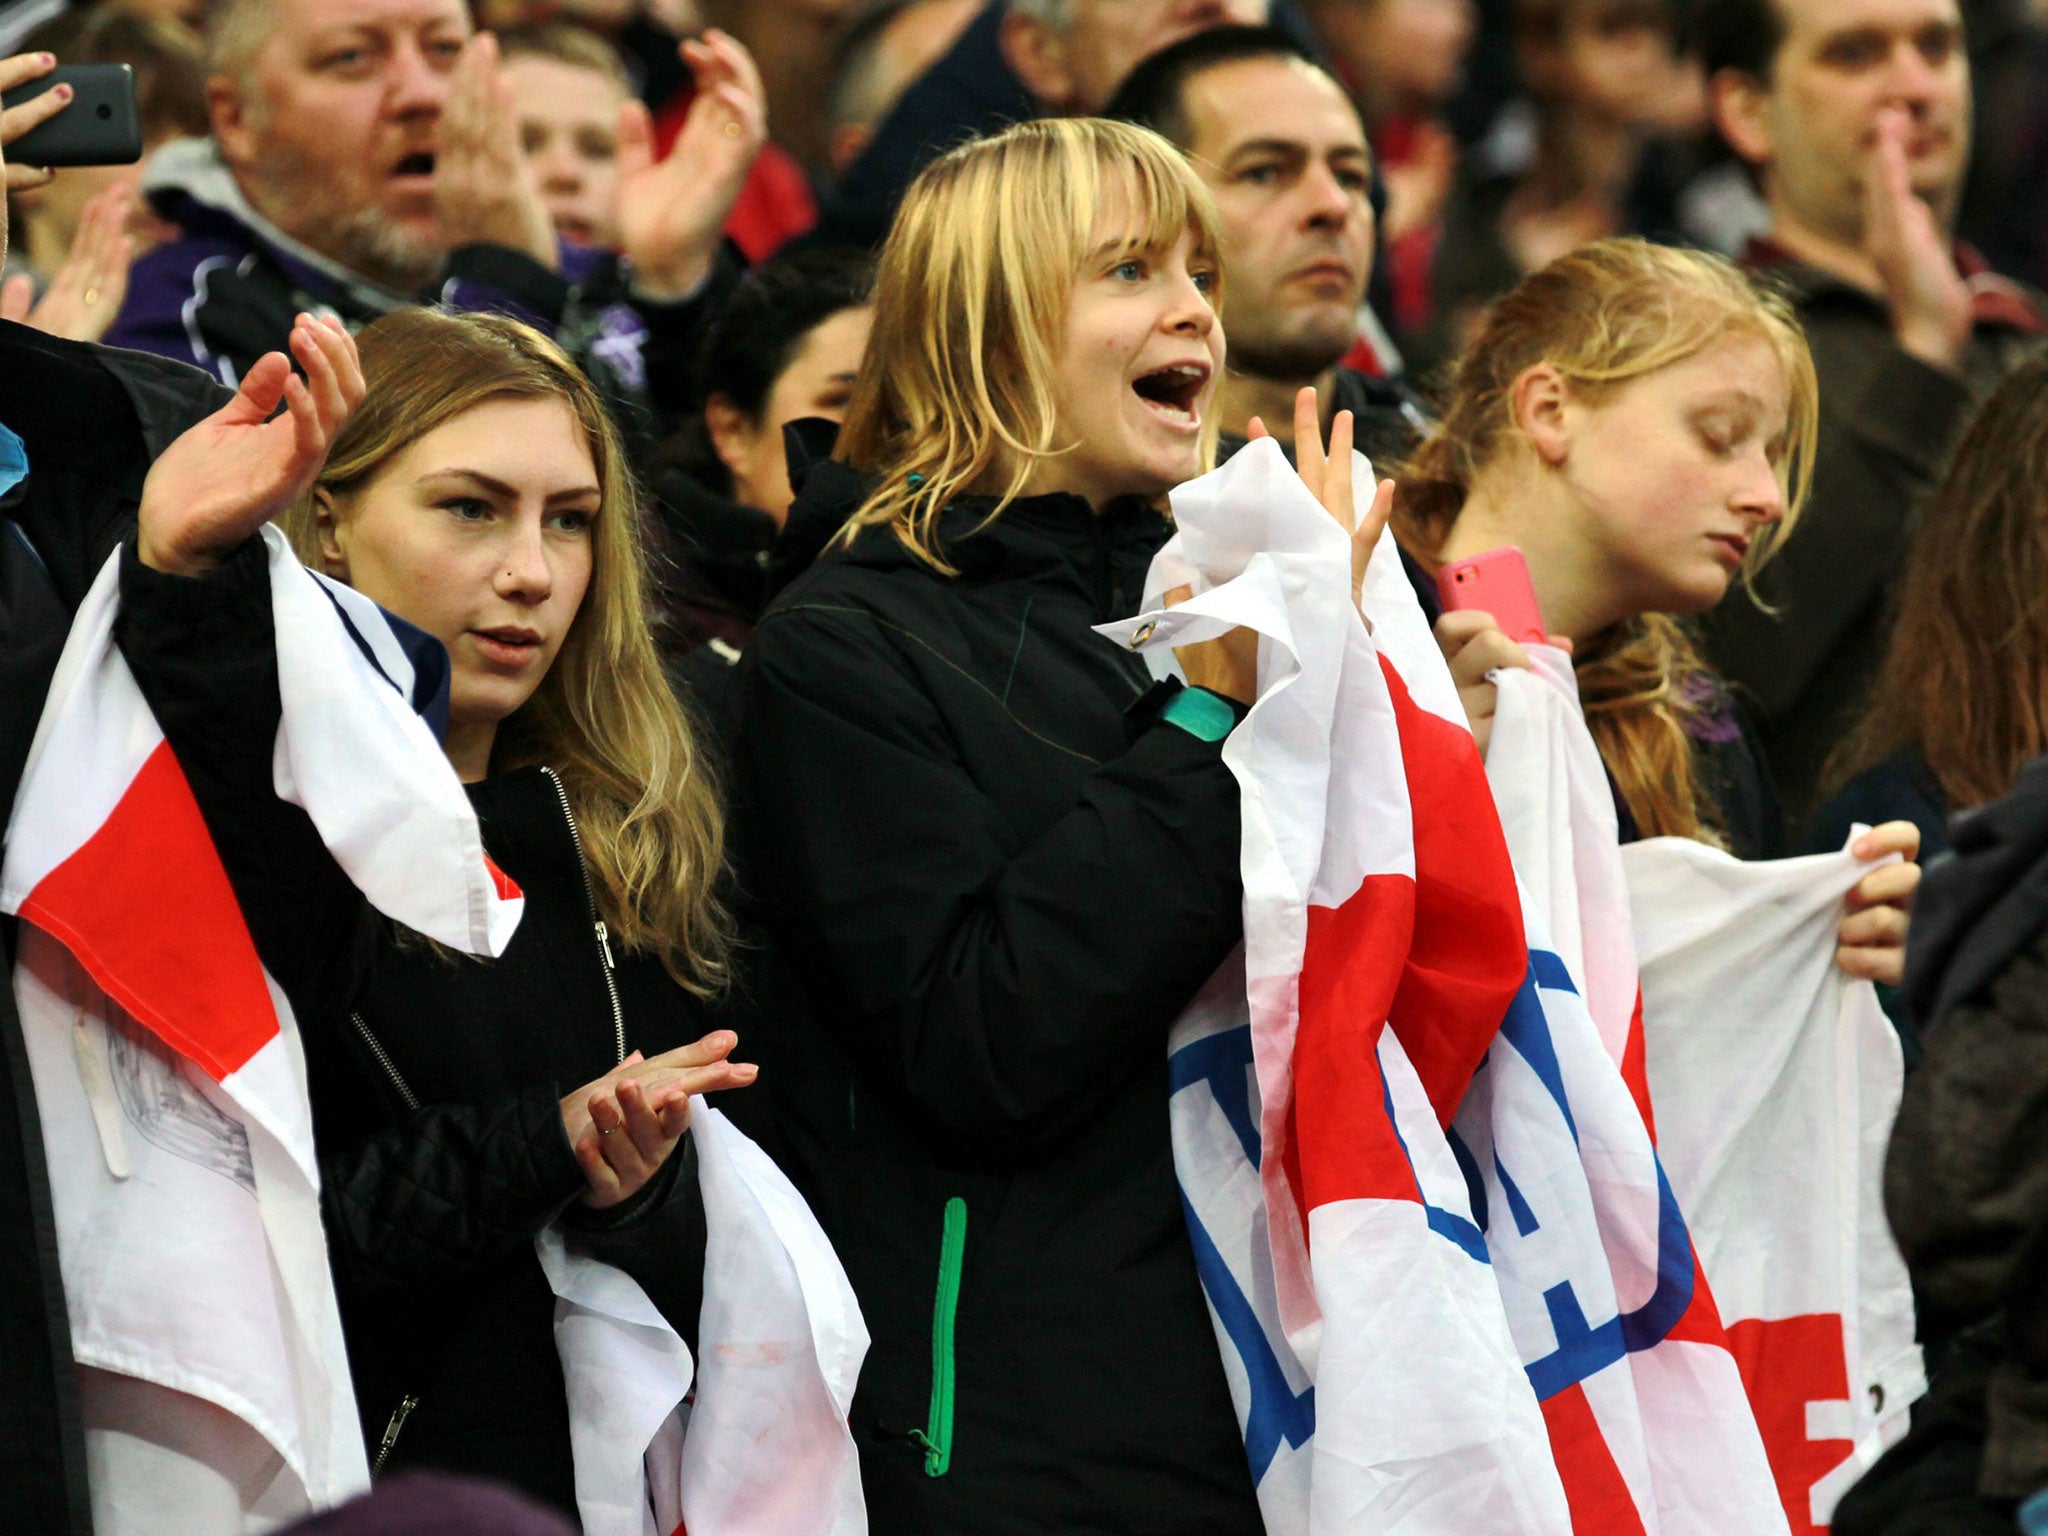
x: 100, y: 127
x: 1495, y: 581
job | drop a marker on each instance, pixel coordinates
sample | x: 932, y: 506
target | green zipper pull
x: 937, y: 1439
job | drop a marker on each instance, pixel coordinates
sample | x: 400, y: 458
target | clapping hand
x: 485, y: 190
x: 233, y: 472
x: 672, y: 212
x: 87, y: 291
x: 625, y: 1125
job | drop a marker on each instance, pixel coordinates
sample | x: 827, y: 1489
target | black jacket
x: 992, y: 878
x: 435, y: 1079
x: 92, y: 420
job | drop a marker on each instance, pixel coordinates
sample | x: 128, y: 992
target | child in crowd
x: 479, y: 493
x: 993, y: 864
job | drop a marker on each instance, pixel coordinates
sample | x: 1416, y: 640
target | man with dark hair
x: 1854, y: 116
x: 1282, y: 147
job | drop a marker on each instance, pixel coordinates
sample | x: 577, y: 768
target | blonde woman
x: 478, y: 492
x: 994, y: 862
x: 1639, y: 421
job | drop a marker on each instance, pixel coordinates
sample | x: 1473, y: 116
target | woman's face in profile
x: 1675, y: 474
x: 480, y: 533
x: 1138, y: 370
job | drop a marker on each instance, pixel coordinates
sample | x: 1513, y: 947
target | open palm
x: 229, y: 475
x: 672, y: 211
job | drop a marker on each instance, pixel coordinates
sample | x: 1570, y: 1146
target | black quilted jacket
x: 435, y: 1080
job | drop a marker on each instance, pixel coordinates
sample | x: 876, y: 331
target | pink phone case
x: 1495, y: 581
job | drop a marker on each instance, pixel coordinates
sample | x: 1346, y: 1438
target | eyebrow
x: 498, y: 487
x: 1295, y: 147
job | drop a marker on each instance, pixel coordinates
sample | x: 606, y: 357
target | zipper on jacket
x: 399, y: 1415
x: 597, y: 926
x: 384, y: 1060
x: 937, y: 1437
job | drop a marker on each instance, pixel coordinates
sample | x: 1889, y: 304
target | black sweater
x: 435, y: 1079
x: 992, y: 879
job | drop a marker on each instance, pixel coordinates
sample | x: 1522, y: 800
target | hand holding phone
x: 99, y: 126
x: 1496, y: 582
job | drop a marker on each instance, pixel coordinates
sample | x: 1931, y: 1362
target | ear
x: 1038, y: 57
x: 734, y: 436
x: 1740, y: 107
x: 1541, y: 400
x: 233, y: 120
x: 333, y: 561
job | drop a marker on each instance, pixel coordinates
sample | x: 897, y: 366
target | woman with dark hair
x: 1962, y: 703
x: 788, y: 345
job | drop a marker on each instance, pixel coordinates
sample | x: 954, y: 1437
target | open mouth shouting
x: 415, y: 167
x: 1171, y: 393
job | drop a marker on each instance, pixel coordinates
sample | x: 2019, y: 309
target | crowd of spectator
x: 607, y: 250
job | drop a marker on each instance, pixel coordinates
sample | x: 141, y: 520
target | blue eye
x: 467, y: 509
x: 574, y: 522
x: 1132, y: 271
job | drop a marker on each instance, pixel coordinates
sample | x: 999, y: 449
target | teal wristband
x: 1200, y: 713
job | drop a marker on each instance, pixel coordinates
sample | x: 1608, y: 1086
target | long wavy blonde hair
x: 956, y: 394
x: 603, y: 717
x: 1603, y: 315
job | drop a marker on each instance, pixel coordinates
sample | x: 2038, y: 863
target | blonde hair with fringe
x: 1602, y: 316
x: 603, y: 717
x: 972, y: 290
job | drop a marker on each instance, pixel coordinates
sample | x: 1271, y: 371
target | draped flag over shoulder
x: 1359, y: 1320
x: 1773, y: 1079
x: 166, y: 1061
x: 763, y: 1449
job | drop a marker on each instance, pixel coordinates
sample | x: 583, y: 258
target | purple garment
x: 436, y: 1504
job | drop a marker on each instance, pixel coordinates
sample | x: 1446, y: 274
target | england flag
x: 166, y: 1062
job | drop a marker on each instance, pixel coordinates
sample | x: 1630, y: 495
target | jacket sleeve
x: 1006, y: 984
x: 203, y: 651
x: 167, y: 290
x: 1966, y: 1175
x: 448, y: 1189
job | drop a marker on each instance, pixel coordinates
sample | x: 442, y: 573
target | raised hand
x: 87, y: 291
x: 672, y: 212
x: 229, y: 475
x: 1872, y: 939
x: 485, y: 191
x: 15, y: 121
x: 1927, y: 297
x: 625, y: 1125
x: 1327, y: 474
